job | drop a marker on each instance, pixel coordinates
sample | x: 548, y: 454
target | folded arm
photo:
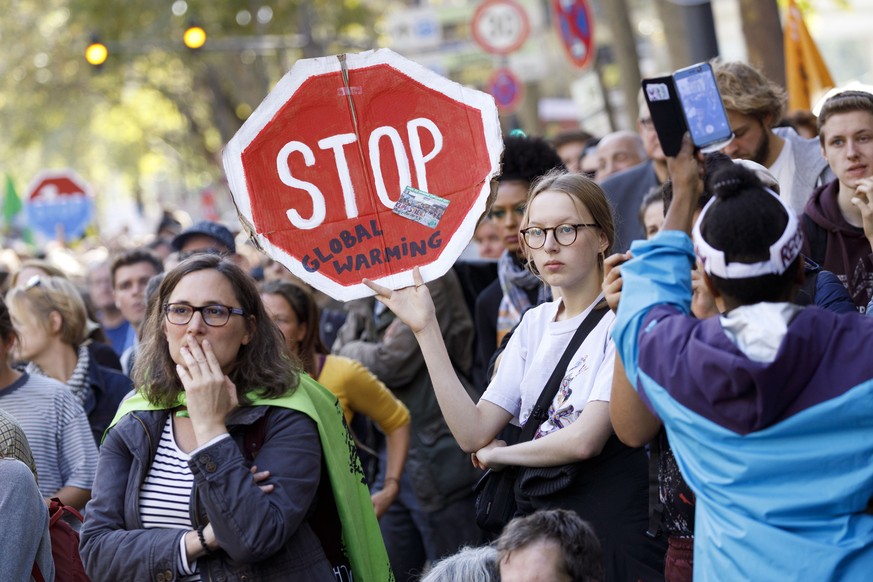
x: 583, y: 439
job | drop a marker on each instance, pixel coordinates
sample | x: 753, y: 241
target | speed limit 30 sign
x: 500, y: 26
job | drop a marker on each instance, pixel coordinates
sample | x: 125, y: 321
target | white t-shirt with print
x: 531, y: 356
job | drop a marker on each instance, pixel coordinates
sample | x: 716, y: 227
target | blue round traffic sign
x: 507, y: 90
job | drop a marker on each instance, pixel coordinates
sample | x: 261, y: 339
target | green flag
x: 11, y: 202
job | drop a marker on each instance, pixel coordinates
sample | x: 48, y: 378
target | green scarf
x: 360, y: 530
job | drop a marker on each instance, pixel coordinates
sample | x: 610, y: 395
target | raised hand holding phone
x: 688, y: 100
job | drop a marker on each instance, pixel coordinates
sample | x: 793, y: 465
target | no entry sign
x: 59, y: 200
x: 575, y: 29
x: 507, y: 90
x: 364, y: 165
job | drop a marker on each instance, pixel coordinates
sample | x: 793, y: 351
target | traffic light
x: 96, y: 53
x: 194, y: 36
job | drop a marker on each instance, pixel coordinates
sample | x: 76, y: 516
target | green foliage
x: 154, y: 109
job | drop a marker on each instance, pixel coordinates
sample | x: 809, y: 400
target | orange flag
x: 806, y: 73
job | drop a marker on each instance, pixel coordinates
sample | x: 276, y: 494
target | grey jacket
x: 262, y: 536
x: 811, y: 169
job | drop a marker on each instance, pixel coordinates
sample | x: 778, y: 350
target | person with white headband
x: 768, y: 407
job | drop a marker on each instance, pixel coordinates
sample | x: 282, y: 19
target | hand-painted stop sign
x: 364, y: 165
x: 59, y: 199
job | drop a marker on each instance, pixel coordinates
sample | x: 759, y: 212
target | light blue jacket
x: 779, y: 454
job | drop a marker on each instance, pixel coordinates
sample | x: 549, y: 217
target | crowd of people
x: 662, y: 357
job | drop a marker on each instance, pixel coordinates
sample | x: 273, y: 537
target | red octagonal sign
x: 364, y: 165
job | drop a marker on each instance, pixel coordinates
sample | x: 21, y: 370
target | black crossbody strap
x: 656, y: 509
x: 540, y: 409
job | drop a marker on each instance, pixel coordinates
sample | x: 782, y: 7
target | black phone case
x: 667, y: 115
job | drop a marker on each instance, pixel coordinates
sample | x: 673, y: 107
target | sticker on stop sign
x: 318, y: 169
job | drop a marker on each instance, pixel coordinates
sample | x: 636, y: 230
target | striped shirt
x: 165, y: 495
x: 13, y: 442
x: 57, y: 430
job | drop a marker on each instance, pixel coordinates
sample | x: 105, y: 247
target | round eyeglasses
x: 565, y: 234
x: 213, y: 315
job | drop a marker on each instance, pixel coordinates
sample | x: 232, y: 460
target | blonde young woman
x: 51, y: 321
x: 567, y: 229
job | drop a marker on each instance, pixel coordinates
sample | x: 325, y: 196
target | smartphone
x: 688, y: 100
x: 704, y: 110
x: 666, y: 113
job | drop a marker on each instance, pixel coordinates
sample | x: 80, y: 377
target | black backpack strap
x: 816, y: 239
x: 656, y: 508
x: 540, y: 410
x: 806, y: 293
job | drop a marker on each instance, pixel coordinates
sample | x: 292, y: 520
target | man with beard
x: 754, y: 105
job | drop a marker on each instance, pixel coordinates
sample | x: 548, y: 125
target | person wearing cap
x: 768, y: 406
x: 207, y: 237
x: 838, y: 219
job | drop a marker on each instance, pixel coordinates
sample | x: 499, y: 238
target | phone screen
x: 701, y: 102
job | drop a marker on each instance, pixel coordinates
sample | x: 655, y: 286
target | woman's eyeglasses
x: 565, y: 234
x: 213, y: 315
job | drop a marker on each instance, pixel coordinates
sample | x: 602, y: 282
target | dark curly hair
x: 263, y: 365
x: 527, y: 158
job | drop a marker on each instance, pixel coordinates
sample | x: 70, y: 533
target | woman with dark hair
x: 768, y: 405
x: 499, y: 306
x: 567, y: 229
x: 52, y: 324
x: 294, y: 311
x: 175, y: 495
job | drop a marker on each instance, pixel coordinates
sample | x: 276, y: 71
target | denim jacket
x: 262, y: 536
